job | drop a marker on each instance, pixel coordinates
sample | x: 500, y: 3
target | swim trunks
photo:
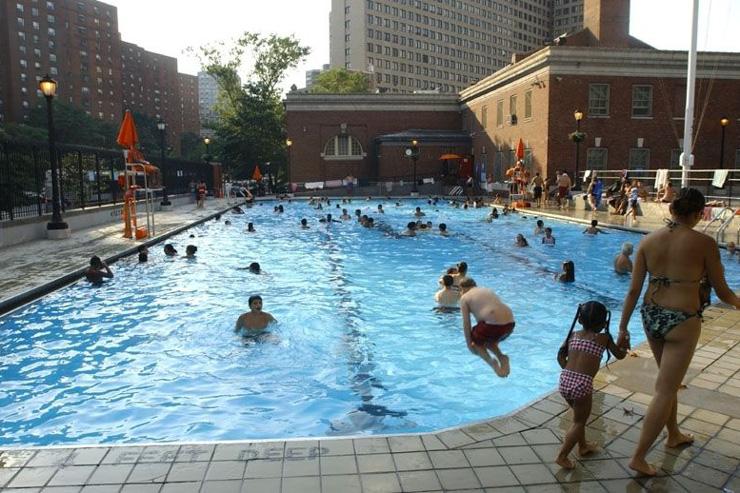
x: 484, y: 333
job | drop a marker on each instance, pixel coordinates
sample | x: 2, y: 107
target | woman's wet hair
x: 688, y: 201
x: 570, y: 270
x: 627, y: 248
x: 462, y: 267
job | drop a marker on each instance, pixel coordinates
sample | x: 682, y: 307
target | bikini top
x: 587, y: 346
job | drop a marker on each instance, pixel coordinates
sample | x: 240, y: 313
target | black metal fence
x: 89, y: 178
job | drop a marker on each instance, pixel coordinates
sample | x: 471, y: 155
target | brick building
x: 77, y: 42
x: 632, y: 97
x: 365, y: 135
x: 189, y: 103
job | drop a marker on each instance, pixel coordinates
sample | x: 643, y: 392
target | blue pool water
x: 151, y: 355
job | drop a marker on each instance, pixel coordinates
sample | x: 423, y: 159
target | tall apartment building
x: 189, y: 103
x: 207, y: 98
x: 567, y: 16
x: 441, y: 45
x: 76, y: 42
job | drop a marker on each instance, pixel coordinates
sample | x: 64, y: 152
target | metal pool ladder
x: 724, y: 224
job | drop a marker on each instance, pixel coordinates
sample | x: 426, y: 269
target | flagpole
x: 687, y: 156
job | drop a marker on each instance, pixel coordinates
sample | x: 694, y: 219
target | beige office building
x: 440, y: 45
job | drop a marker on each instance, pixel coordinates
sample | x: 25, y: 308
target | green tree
x: 250, y: 124
x: 73, y: 126
x: 341, y: 81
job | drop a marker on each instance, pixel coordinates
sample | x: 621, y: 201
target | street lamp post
x: 207, y: 157
x: 723, y: 123
x: 412, y: 152
x: 56, y: 228
x: 289, y: 145
x: 578, y: 115
x: 162, y: 126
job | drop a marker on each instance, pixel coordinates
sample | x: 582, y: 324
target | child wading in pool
x: 579, y: 357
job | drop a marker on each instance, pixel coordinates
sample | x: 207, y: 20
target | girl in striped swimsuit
x: 580, y: 357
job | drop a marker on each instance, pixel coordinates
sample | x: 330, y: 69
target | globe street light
x: 578, y: 115
x: 207, y: 157
x: 56, y: 228
x: 162, y: 126
x: 412, y: 152
x: 723, y: 123
x: 289, y: 145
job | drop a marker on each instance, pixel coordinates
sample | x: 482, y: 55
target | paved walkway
x: 509, y: 454
x: 22, y: 271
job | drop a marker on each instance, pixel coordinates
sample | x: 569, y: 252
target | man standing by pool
x: 255, y: 319
x: 495, y: 322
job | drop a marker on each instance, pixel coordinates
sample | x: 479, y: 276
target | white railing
x: 700, y: 179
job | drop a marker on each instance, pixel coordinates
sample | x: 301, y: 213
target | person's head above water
x: 447, y: 281
x: 255, y: 302
x: 411, y: 225
x: 250, y: 227
x: 569, y: 269
x: 442, y: 227
x: 594, y: 223
x: 548, y: 231
x: 462, y: 268
x: 95, y: 262
x: 688, y: 204
x: 418, y: 209
x: 169, y: 249
x: 255, y: 268
x: 540, y: 223
x: 190, y: 250
x: 304, y: 221
x: 466, y: 284
x: 627, y: 248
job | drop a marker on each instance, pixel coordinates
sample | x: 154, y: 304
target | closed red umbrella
x: 257, y: 174
x: 520, y: 149
x: 127, y: 136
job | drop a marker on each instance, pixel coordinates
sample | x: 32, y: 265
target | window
x: 484, y: 117
x: 596, y: 158
x: 500, y: 113
x: 639, y: 159
x: 512, y: 105
x: 642, y: 101
x: 343, y: 147
x: 598, y: 99
x: 528, y: 104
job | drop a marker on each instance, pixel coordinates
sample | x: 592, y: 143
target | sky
x: 169, y: 27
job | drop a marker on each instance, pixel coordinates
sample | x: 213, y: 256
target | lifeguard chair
x: 129, y: 181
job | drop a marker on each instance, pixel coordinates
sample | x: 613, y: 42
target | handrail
x: 718, y: 217
x: 720, y: 236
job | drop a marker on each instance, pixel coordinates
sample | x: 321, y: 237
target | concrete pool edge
x: 23, y: 298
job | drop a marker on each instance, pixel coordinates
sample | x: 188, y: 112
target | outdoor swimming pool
x: 152, y: 356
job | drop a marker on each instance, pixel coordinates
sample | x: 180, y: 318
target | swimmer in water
x: 255, y: 319
x: 97, y: 271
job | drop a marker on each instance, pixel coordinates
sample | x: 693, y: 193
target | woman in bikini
x: 676, y: 258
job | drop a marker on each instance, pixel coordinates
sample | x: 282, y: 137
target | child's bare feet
x: 564, y: 462
x: 679, y: 440
x: 642, y: 467
x: 502, y: 369
x: 588, y: 449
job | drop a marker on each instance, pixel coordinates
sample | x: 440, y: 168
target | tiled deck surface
x: 514, y: 453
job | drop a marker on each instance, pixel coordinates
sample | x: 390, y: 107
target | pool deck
x: 506, y: 454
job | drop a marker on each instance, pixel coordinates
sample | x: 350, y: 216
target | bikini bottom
x: 659, y: 321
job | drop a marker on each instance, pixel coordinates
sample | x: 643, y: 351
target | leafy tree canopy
x: 249, y: 129
x: 341, y: 81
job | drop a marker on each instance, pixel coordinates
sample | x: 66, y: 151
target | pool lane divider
x: 15, y: 302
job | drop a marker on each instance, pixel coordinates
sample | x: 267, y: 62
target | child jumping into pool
x: 579, y: 357
x: 495, y: 322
